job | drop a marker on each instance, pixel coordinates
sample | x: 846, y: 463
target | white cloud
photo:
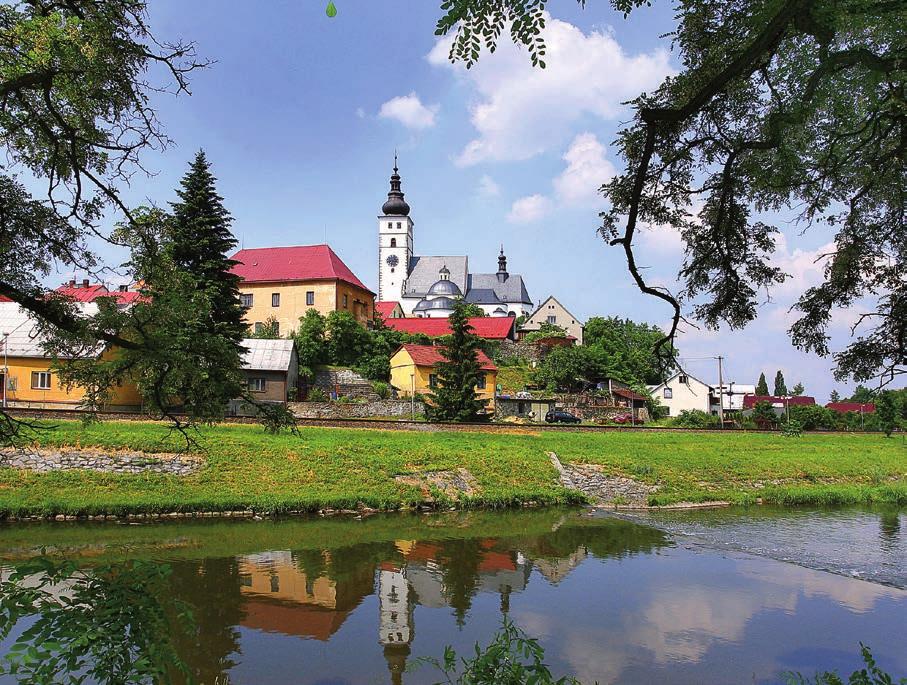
x: 522, y: 110
x: 529, y: 209
x: 409, y: 111
x: 587, y: 169
x: 488, y: 187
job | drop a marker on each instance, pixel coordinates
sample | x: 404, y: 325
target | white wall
x: 390, y: 279
x: 685, y: 396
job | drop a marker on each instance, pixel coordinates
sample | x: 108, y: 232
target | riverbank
x: 242, y: 469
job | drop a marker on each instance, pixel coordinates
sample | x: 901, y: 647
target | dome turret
x: 395, y: 205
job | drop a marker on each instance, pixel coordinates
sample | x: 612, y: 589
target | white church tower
x: 395, y: 242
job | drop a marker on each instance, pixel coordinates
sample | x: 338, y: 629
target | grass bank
x: 340, y: 468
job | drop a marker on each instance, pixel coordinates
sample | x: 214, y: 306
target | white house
x: 683, y: 392
x: 732, y: 395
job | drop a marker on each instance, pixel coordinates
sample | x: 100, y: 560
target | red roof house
x: 843, y: 407
x: 389, y: 310
x: 299, y: 263
x: 430, y: 355
x: 487, y: 327
x: 82, y: 292
x: 749, y: 401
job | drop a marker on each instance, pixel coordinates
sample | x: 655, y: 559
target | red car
x: 626, y: 418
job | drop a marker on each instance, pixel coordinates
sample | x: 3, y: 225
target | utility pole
x: 720, y: 392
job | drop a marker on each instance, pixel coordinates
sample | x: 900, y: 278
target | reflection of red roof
x: 81, y: 293
x: 292, y: 619
x: 842, y: 407
x: 4, y: 298
x: 749, y: 401
x: 428, y: 355
x: 385, y: 309
x: 300, y: 263
x: 488, y: 327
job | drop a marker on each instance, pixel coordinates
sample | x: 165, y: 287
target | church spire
x: 502, y: 266
x: 395, y: 205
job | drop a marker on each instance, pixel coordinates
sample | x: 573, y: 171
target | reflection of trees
x: 459, y: 561
x: 603, y: 538
x: 211, y: 588
x: 890, y: 528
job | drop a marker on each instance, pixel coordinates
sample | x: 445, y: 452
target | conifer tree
x: 455, y: 398
x: 798, y: 390
x: 762, y: 385
x: 200, y: 242
x: 835, y: 396
x: 780, y: 387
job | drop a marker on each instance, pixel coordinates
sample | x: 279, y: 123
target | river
x: 721, y: 596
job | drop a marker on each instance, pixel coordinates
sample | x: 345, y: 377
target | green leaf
x: 331, y: 10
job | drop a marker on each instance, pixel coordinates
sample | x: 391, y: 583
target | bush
x: 382, y: 389
x: 316, y: 395
x: 695, y: 418
x: 813, y: 417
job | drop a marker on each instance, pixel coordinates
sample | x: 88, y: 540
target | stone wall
x: 529, y: 352
x: 44, y: 460
x: 355, y: 410
x: 602, y: 413
x: 348, y: 382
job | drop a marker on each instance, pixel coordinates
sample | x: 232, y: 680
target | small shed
x: 271, y: 368
x: 526, y: 408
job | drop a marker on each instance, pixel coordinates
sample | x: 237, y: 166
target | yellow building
x: 26, y: 377
x: 413, y: 370
x: 283, y: 283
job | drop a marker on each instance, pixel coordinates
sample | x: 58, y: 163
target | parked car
x: 558, y: 416
x: 626, y: 418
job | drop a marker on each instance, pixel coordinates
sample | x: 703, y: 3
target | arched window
x: 393, y: 242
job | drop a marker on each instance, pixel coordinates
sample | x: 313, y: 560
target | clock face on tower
x: 392, y: 260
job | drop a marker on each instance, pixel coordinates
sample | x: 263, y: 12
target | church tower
x: 395, y: 242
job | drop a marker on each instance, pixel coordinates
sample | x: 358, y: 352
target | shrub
x: 382, y: 389
x: 317, y: 395
x: 694, y: 418
x: 764, y: 414
x: 813, y: 417
x: 792, y: 429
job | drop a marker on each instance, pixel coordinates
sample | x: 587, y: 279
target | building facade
x: 683, y: 392
x: 428, y: 286
x: 283, y: 283
x: 553, y: 312
x: 271, y: 368
x: 413, y: 372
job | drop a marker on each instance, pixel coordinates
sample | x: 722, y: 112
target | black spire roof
x: 395, y: 205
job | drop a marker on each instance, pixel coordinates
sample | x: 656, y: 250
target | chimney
x: 84, y: 282
x: 72, y: 282
x: 123, y: 287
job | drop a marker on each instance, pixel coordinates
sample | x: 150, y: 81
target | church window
x: 399, y: 225
x: 310, y: 297
x: 275, y: 299
x: 390, y: 224
x: 393, y: 242
x: 668, y: 393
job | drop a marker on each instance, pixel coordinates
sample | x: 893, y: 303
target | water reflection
x: 346, y: 601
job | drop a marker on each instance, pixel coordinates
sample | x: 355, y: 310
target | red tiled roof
x: 385, y: 309
x: 81, y: 293
x: 4, y: 298
x: 749, y: 401
x: 300, y: 263
x: 842, y: 407
x: 488, y: 327
x: 628, y: 394
x: 429, y: 355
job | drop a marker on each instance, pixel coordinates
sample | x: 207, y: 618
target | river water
x: 722, y: 596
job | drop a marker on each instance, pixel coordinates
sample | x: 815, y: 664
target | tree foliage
x: 888, y: 411
x: 780, y: 389
x: 454, y: 398
x: 762, y: 385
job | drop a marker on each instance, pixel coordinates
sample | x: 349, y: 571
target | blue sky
x: 300, y: 116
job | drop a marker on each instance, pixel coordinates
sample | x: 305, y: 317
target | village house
x: 85, y: 291
x: 283, y: 283
x: 413, y: 373
x: 779, y: 404
x: 389, y: 310
x: 485, y: 327
x: 27, y: 378
x: 683, y: 392
x: 271, y: 368
x: 553, y: 312
x: 856, y: 407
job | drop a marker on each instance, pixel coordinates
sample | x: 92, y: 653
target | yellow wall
x: 328, y: 298
x: 404, y: 374
x: 21, y: 368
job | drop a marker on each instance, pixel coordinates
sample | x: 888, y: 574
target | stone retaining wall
x: 355, y: 410
x: 345, y: 381
x: 44, y: 460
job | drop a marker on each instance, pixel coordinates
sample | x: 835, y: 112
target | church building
x: 429, y: 286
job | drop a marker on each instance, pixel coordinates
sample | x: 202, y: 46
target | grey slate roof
x: 423, y: 273
x: 267, y: 355
x: 486, y: 289
x: 22, y: 327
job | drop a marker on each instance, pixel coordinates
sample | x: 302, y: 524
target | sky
x: 300, y: 116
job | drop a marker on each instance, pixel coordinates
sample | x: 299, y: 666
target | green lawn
x: 338, y: 468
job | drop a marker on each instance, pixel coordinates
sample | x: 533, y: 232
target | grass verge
x: 342, y: 468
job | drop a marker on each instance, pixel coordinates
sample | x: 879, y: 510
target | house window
x: 246, y: 300
x: 682, y: 379
x: 668, y: 393
x: 552, y: 319
x: 346, y: 299
x: 259, y: 326
x: 480, y: 385
x: 40, y: 380
x: 310, y: 297
x: 275, y: 299
x: 393, y: 242
x: 257, y: 384
x: 432, y: 380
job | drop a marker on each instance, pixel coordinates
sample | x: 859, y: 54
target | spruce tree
x: 455, y: 399
x: 780, y: 387
x: 762, y: 385
x: 200, y: 243
x: 834, y: 397
x: 798, y: 390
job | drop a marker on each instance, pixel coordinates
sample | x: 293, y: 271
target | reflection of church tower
x: 395, y: 242
x: 396, y: 620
